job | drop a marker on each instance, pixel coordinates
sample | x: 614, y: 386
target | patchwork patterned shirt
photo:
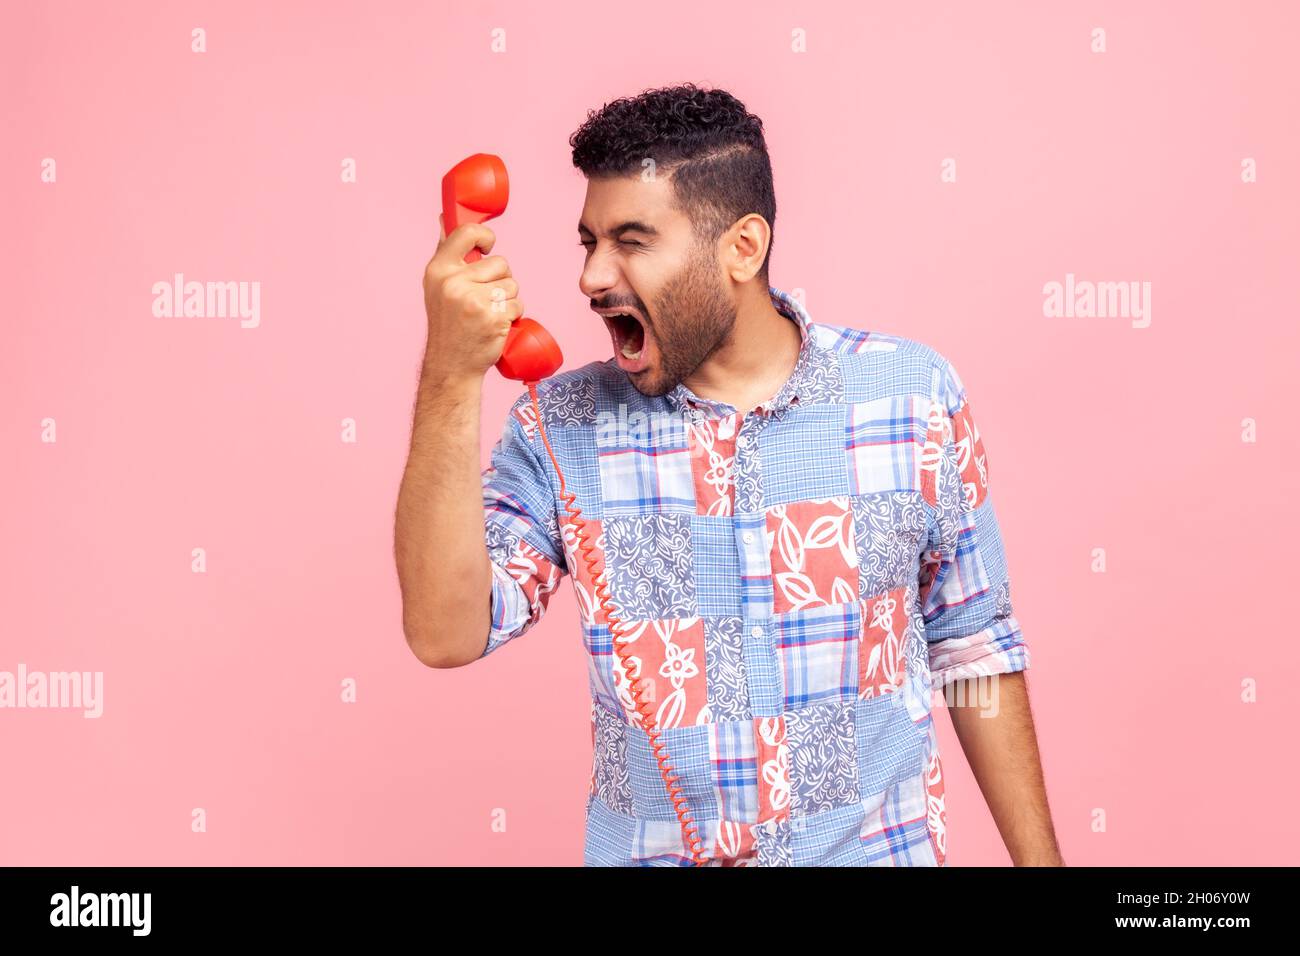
x: 799, y: 579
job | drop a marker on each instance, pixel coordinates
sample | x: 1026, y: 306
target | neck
x: 754, y: 361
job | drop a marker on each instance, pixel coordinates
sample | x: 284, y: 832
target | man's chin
x: 650, y: 382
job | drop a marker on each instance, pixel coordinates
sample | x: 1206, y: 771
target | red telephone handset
x: 475, y: 190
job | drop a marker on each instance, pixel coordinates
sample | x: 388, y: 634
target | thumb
x: 442, y: 231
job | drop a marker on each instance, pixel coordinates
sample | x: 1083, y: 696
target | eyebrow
x: 630, y: 225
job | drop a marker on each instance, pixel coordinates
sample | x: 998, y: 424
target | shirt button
x: 756, y: 631
x: 748, y: 537
x: 742, y: 441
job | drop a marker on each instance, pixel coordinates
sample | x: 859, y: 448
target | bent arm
x: 442, y: 559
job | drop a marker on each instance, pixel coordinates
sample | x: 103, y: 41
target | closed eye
x: 624, y: 242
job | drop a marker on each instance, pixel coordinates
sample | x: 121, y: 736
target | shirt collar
x: 796, y: 385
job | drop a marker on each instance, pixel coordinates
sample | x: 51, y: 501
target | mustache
x: 632, y: 306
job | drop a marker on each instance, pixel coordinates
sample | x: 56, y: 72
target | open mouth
x: 628, y: 334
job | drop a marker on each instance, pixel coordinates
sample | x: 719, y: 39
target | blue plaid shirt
x: 799, y: 579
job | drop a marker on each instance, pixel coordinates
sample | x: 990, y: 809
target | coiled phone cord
x: 644, y: 709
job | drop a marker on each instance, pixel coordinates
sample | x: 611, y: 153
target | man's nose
x: 598, y: 276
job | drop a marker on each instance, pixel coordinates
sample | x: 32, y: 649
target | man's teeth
x: 631, y: 355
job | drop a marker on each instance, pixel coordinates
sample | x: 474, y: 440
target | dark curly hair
x: 709, y: 145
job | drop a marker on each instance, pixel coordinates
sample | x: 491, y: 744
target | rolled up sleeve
x: 520, y: 530
x: 964, y: 583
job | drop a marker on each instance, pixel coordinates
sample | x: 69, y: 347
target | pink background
x: 222, y: 690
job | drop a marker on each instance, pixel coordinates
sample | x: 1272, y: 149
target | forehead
x: 614, y: 201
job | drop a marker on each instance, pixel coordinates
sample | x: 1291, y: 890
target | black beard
x: 693, y: 318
